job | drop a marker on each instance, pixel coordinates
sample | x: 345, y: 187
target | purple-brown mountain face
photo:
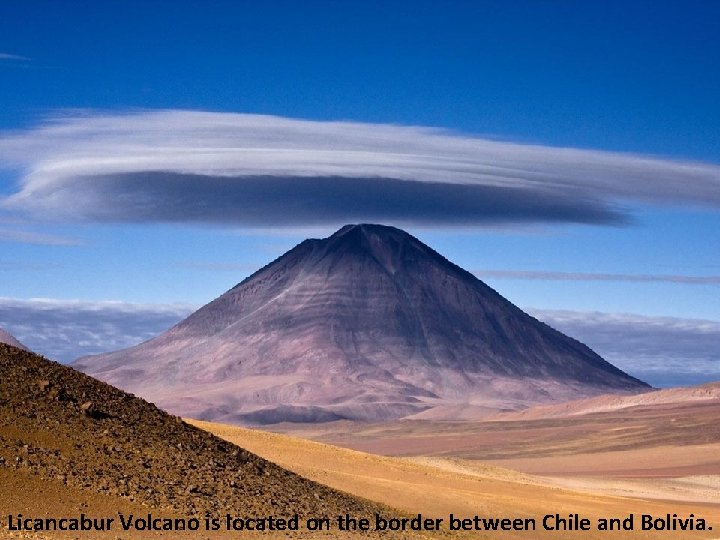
x: 367, y: 324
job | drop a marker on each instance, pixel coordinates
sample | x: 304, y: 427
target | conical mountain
x: 368, y: 324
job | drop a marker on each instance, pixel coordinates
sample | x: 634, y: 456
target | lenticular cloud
x: 190, y: 166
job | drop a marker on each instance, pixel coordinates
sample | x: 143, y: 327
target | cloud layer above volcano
x: 250, y: 170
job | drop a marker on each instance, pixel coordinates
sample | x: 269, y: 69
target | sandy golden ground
x: 439, y: 486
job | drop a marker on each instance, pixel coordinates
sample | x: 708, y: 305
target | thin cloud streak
x: 219, y: 267
x: 18, y: 266
x: 251, y: 170
x: 51, y: 304
x: 591, y: 276
x: 42, y: 239
x: 6, y: 56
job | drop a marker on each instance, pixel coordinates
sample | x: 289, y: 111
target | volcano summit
x: 367, y: 324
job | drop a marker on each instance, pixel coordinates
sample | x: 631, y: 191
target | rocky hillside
x: 59, y: 424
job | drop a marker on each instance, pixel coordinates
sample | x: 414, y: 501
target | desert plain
x: 605, y: 457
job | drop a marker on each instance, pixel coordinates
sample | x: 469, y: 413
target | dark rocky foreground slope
x: 60, y: 424
x: 367, y: 324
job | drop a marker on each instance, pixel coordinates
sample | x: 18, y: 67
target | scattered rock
x: 140, y: 453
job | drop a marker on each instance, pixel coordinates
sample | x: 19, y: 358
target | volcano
x: 367, y: 324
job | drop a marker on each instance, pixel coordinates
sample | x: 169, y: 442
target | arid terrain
x: 681, y: 422
x: 656, y: 460
x: 69, y: 443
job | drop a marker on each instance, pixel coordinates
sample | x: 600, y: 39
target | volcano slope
x: 367, y: 324
x: 62, y: 432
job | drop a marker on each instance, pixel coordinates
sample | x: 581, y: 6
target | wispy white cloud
x: 219, y: 267
x: 593, y: 276
x: 23, y: 266
x: 32, y: 237
x: 174, y: 165
x: 52, y: 304
x: 7, y: 56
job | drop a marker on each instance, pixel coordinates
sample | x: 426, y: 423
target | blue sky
x: 112, y: 187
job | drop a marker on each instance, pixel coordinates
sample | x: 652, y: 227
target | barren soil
x: 439, y: 486
x: 667, y: 439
